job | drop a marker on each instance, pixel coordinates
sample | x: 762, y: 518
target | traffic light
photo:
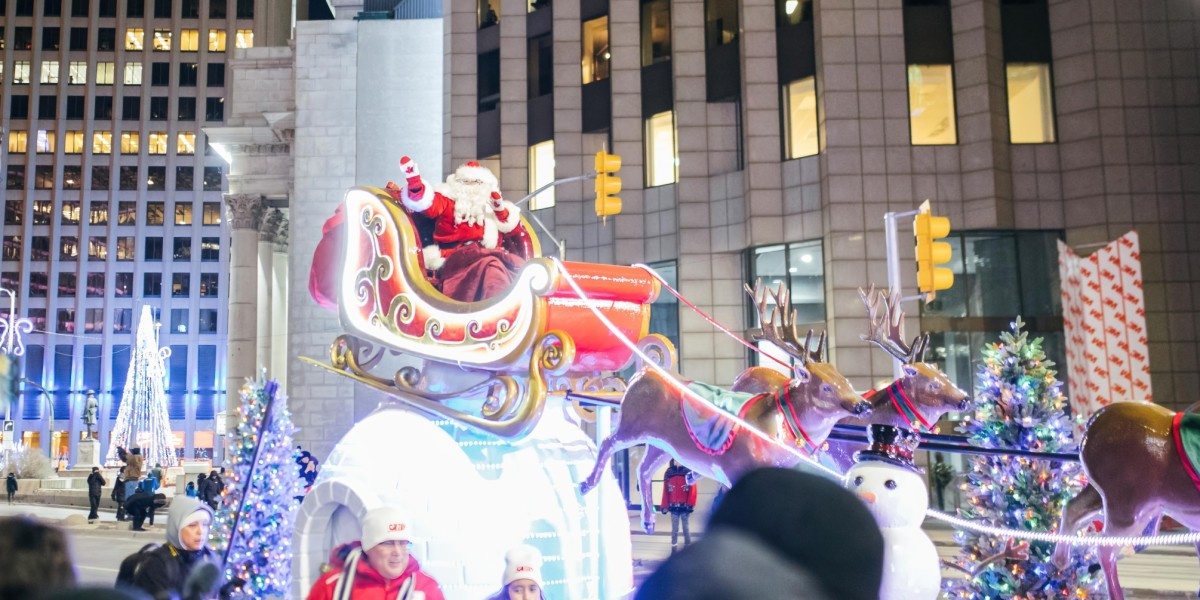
x: 930, y: 254
x: 607, y: 184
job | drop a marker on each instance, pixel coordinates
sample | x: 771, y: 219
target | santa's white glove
x: 411, y: 174
x: 497, y: 202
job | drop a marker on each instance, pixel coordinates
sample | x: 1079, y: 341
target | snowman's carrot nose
x: 867, y: 497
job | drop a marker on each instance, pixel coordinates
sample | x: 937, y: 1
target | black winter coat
x: 95, y: 483
x: 10, y: 484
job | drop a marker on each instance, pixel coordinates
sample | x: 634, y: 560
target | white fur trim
x: 480, y: 173
x: 433, y: 257
x: 421, y: 204
x: 514, y: 217
x: 490, y: 234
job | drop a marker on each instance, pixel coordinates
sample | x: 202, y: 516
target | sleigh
x: 538, y: 336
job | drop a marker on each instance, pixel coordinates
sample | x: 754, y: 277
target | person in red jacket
x: 382, y: 568
x: 679, y: 499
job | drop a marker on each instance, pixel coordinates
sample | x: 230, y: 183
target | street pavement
x: 97, y: 550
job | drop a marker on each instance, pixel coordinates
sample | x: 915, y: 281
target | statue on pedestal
x: 90, y: 412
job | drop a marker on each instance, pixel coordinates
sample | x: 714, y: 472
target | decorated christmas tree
x: 142, y: 419
x: 262, y: 493
x: 1019, y: 404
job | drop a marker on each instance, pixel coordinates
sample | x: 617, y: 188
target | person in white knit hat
x: 382, y: 567
x: 522, y: 575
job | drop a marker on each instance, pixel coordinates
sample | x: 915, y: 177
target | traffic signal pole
x: 892, y: 239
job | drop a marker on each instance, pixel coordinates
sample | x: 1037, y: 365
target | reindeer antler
x: 779, y: 327
x: 891, y: 320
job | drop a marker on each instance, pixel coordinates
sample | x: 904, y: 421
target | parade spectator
x: 95, y: 483
x: 190, y: 490
x: 161, y: 572
x: 10, y: 484
x: 133, y: 469
x: 522, y: 575
x: 212, y: 488
x: 381, y: 567
x: 118, y: 495
x: 35, y: 560
x: 679, y: 499
x: 138, y: 506
x: 157, y: 474
x: 201, y: 481
x: 778, y: 534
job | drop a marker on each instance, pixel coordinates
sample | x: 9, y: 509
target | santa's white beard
x: 472, y: 202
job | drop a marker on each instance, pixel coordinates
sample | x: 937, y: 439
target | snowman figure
x: 885, y: 478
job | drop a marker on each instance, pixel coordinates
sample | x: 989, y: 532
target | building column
x: 279, y: 304
x: 266, y: 264
x: 245, y: 217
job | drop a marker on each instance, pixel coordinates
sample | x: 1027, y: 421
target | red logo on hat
x: 396, y: 527
x: 472, y: 164
x: 524, y: 568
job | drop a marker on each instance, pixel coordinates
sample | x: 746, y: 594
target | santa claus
x: 470, y: 221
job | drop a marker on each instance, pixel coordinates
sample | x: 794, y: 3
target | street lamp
x: 49, y: 424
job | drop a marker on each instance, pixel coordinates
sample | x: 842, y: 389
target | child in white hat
x: 522, y: 575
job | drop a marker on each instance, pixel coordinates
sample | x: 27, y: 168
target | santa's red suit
x: 470, y: 220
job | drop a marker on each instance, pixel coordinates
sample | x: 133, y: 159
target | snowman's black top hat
x: 890, y: 444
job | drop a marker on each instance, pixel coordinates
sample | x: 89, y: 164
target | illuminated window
x: 156, y: 215
x: 931, y: 105
x: 162, y: 40
x: 488, y: 12
x: 189, y: 40
x: 157, y: 143
x: 216, y: 40
x: 1030, y: 103
x: 18, y: 141
x: 185, y: 143
x: 73, y: 142
x: 77, y: 72
x: 98, y: 213
x: 126, y: 248
x: 129, y: 142
x: 45, y: 142
x: 134, y: 37
x: 596, y: 55
x: 541, y: 172
x: 21, y: 71
x: 212, y: 213
x: 183, y: 213
x: 720, y: 22
x: 49, y: 71
x: 661, y: 160
x: 71, y: 209
x: 105, y: 72
x: 245, y: 38
x: 793, y: 12
x: 133, y: 74
x: 656, y: 32
x: 800, y: 118
x: 101, y: 142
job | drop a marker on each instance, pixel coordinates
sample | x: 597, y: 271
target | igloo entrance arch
x: 471, y: 496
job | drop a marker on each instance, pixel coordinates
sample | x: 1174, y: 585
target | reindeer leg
x: 651, y: 462
x: 608, y: 447
x: 1122, y: 520
x: 1085, y: 505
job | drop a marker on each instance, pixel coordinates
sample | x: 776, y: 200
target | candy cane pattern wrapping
x: 1104, y: 321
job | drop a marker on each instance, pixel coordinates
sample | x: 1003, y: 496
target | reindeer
x: 915, y: 401
x: 1135, y: 475
x: 801, y: 412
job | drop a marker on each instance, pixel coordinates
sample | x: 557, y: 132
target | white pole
x: 893, y: 269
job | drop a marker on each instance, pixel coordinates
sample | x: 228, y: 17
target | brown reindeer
x: 1135, y: 475
x: 653, y: 413
x: 915, y: 401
